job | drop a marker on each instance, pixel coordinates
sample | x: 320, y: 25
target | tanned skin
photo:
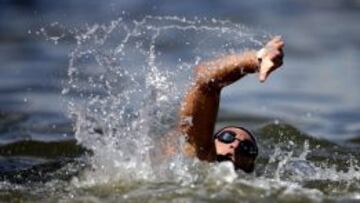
x: 201, y: 103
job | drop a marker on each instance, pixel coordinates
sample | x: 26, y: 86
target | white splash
x: 125, y: 88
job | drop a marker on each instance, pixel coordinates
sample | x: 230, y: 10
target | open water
x: 87, y: 88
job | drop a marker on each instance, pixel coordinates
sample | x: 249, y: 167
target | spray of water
x: 125, y: 88
x: 125, y: 84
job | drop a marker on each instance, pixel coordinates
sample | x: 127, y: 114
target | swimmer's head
x: 238, y: 145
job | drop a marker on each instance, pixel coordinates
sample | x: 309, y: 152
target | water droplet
x: 65, y: 91
x: 276, y: 122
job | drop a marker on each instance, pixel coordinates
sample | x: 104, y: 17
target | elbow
x: 200, y: 70
x: 204, y: 75
x: 201, y: 75
x: 204, y: 79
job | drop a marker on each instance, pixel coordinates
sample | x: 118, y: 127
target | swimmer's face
x: 242, y: 151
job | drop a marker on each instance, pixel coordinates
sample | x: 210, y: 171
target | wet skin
x: 200, y: 106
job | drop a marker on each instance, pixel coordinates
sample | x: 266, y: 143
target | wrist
x: 260, y: 55
x: 252, y: 64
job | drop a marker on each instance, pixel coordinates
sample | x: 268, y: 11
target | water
x: 83, y: 105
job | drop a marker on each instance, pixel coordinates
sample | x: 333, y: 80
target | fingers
x: 265, y: 69
x: 279, y: 58
x: 274, y: 54
x: 281, y: 53
x: 276, y: 43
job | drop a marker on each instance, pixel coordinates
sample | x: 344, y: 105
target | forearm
x: 226, y: 70
x: 201, y: 103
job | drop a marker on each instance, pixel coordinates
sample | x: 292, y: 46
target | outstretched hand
x: 271, y: 57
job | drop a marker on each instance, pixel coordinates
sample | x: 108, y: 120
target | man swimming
x: 199, y: 109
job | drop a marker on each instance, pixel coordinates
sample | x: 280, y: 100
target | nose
x: 234, y: 144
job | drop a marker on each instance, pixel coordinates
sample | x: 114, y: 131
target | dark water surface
x: 64, y: 136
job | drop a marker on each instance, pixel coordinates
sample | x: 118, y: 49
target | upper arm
x: 197, y: 120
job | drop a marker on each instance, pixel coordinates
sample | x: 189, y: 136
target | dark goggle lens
x: 227, y: 137
x: 248, y: 148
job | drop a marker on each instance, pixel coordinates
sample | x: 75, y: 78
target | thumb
x: 265, y: 69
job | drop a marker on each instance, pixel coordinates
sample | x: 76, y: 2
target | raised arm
x: 201, y: 103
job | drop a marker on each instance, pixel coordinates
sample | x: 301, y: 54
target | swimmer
x: 199, y: 108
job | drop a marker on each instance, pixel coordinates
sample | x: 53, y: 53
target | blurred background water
x: 316, y: 91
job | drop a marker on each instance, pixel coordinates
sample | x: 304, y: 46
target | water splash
x: 125, y: 87
x: 125, y: 82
